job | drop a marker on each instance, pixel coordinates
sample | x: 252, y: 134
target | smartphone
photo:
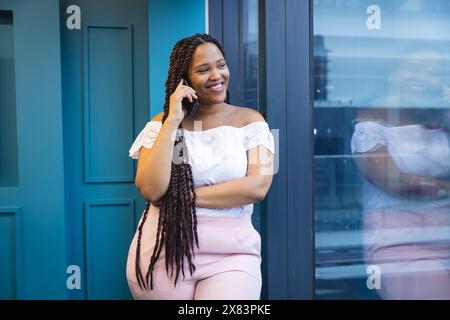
x: 191, y: 107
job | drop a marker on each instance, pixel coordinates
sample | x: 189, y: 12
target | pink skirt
x: 412, y: 250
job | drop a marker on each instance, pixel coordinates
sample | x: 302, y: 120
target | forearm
x: 233, y: 193
x: 419, y: 186
x: 154, y: 169
x: 384, y: 173
x: 405, y: 184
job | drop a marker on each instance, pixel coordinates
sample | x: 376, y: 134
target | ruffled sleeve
x: 145, y: 138
x: 368, y: 136
x: 258, y: 133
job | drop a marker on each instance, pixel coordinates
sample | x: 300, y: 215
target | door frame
x: 289, y: 61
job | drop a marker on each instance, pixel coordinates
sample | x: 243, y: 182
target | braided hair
x: 177, y: 223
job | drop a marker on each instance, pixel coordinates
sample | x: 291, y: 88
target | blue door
x: 105, y: 104
x: 32, y: 219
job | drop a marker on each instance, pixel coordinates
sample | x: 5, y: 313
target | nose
x: 215, y: 75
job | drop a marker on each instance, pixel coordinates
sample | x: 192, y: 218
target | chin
x: 217, y: 100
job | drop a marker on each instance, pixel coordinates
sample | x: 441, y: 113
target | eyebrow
x: 206, y: 64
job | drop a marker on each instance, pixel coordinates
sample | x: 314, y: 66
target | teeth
x: 217, y: 86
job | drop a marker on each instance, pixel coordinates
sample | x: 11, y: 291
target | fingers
x: 185, y: 91
x: 182, y: 84
x: 188, y: 92
x: 191, y: 97
x: 192, y: 92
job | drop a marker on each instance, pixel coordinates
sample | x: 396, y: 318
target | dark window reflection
x: 248, y: 87
x: 320, y: 69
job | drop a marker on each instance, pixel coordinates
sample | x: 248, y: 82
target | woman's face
x: 209, y: 74
x: 419, y: 77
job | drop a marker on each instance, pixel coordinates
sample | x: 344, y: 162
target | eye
x: 202, y: 70
x: 222, y: 65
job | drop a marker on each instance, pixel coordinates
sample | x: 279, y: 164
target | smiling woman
x: 198, y: 217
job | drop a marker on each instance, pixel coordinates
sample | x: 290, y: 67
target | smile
x: 216, y: 88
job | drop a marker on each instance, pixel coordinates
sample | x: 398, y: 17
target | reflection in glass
x: 248, y: 81
x: 382, y: 155
x: 405, y: 163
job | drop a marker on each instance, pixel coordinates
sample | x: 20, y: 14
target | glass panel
x: 248, y: 83
x: 382, y: 152
x: 8, y: 127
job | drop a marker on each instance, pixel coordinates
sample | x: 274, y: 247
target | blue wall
x: 169, y: 21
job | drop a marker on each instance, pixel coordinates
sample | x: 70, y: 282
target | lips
x: 218, y: 87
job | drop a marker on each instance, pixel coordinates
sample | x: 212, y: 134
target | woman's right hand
x: 441, y: 189
x: 431, y: 189
x: 182, y: 91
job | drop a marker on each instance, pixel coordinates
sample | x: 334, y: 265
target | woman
x: 195, y: 239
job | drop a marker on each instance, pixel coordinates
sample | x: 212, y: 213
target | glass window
x: 248, y: 85
x: 8, y: 126
x: 382, y: 152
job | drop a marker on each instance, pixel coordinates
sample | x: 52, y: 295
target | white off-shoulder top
x: 216, y: 155
x: 414, y: 149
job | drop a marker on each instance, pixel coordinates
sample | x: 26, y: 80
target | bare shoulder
x: 246, y: 116
x: 158, y: 117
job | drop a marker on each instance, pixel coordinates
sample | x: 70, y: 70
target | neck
x: 207, y: 110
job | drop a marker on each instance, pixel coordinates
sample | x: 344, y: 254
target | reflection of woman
x: 195, y: 240
x: 406, y: 204
x: 404, y: 158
